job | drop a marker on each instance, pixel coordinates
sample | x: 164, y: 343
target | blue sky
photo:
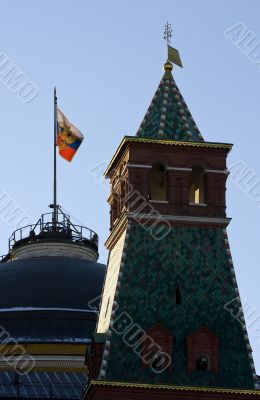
x: 106, y: 60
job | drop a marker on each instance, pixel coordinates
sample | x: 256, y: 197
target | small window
x: 202, y: 364
x: 197, y: 186
x: 158, y: 361
x: 123, y: 194
x: 155, y: 362
x: 107, y: 307
x: 158, y: 187
x: 115, y: 210
x: 178, y: 295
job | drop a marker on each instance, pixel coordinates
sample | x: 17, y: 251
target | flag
x: 69, y: 138
x: 174, y: 56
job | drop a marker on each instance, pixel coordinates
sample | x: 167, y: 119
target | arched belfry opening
x: 197, y: 186
x: 158, y: 183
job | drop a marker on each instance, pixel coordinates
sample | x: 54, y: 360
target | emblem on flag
x: 69, y: 138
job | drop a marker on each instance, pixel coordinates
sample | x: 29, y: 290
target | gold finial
x: 168, y: 66
x: 168, y: 70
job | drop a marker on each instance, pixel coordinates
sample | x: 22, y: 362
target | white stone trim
x: 184, y: 169
x: 54, y: 358
x: 110, y: 284
x: 179, y: 218
x: 50, y: 361
x: 198, y: 204
x: 108, y: 329
x: 159, y: 201
x: 179, y: 169
x: 139, y: 166
x: 217, y: 171
x: 42, y: 249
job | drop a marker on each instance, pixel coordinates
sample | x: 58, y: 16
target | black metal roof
x: 50, y: 282
x: 38, y: 327
x: 50, y: 298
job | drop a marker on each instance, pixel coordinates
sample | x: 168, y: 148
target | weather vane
x: 173, y: 54
x: 167, y: 33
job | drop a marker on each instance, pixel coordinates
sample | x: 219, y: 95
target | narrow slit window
x: 178, y: 295
x: 107, y: 307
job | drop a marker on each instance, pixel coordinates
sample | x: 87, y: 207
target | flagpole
x: 55, y: 163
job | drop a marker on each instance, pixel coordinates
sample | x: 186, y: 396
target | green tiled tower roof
x: 168, y: 116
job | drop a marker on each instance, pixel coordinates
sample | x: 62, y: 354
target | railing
x: 5, y: 258
x: 46, y: 228
x: 38, y: 390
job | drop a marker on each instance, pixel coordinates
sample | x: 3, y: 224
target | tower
x: 166, y: 326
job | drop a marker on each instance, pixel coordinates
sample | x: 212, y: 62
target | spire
x: 168, y: 116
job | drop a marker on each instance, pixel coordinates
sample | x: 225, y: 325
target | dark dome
x: 47, y: 298
x: 50, y: 282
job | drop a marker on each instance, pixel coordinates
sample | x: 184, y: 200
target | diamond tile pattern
x: 168, y: 116
x: 197, y: 260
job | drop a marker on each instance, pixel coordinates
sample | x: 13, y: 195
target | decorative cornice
x: 122, y: 221
x: 177, y: 142
x: 171, y: 387
x: 165, y: 142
